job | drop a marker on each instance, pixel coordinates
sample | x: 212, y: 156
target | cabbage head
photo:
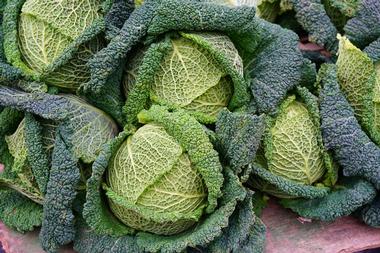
x: 199, y: 72
x: 162, y: 188
x: 292, y: 159
x: 151, y: 176
x: 51, y: 42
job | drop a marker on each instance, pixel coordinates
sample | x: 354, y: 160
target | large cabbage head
x: 162, y: 188
x: 292, y: 152
x: 52, y: 41
x: 199, y: 72
x: 152, y: 178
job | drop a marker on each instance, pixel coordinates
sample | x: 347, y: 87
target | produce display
x: 165, y: 125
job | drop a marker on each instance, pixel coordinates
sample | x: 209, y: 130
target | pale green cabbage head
x: 46, y: 29
x: 152, y: 184
x: 198, y: 72
x: 293, y: 149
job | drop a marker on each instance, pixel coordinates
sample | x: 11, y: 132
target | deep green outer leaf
x: 58, y: 226
x: 245, y: 233
x: 9, y: 121
x: 312, y: 15
x: 7, y: 72
x: 19, y: 212
x: 139, y: 94
x: 38, y: 159
x: 190, y: 135
x: 371, y: 213
x: 108, y: 59
x: 88, y: 241
x: 116, y: 15
x: 288, y: 187
x: 342, y: 134
x: 364, y: 28
x: 238, y: 136
x: 350, y: 194
x: 373, y: 50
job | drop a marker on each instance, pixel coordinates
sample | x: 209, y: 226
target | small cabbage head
x: 292, y: 154
x: 198, y: 72
x: 150, y: 177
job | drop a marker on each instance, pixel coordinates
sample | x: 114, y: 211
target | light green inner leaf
x: 294, y: 152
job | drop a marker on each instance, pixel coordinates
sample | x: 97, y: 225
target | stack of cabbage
x: 160, y: 126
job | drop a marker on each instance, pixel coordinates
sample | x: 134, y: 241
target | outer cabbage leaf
x: 342, y: 134
x: 238, y: 137
x: 364, y: 28
x: 246, y: 232
x: 340, y: 11
x: 371, y: 213
x: 7, y: 72
x: 348, y: 196
x: 91, y: 126
x: 373, y: 50
x: 265, y: 48
x: 314, y: 19
x: 19, y: 175
x: 58, y: 226
x: 19, y: 212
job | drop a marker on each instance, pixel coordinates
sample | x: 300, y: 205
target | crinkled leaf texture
x: 293, y: 159
x: 238, y: 136
x: 16, y: 210
x: 314, y: 19
x: 68, y: 43
x: 91, y: 127
x: 234, y: 201
x: 272, y: 60
x: 233, y: 226
x: 209, y: 75
x: 371, y: 213
x: 58, y: 226
x: 364, y: 28
x: 359, y: 80
x: 342, y: 134
x: 350, y: 194
x: 19, y: 212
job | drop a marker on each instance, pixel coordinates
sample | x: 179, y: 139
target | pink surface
x: 289, y: 233
x: 14, y: 242
x: 286, y: 233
